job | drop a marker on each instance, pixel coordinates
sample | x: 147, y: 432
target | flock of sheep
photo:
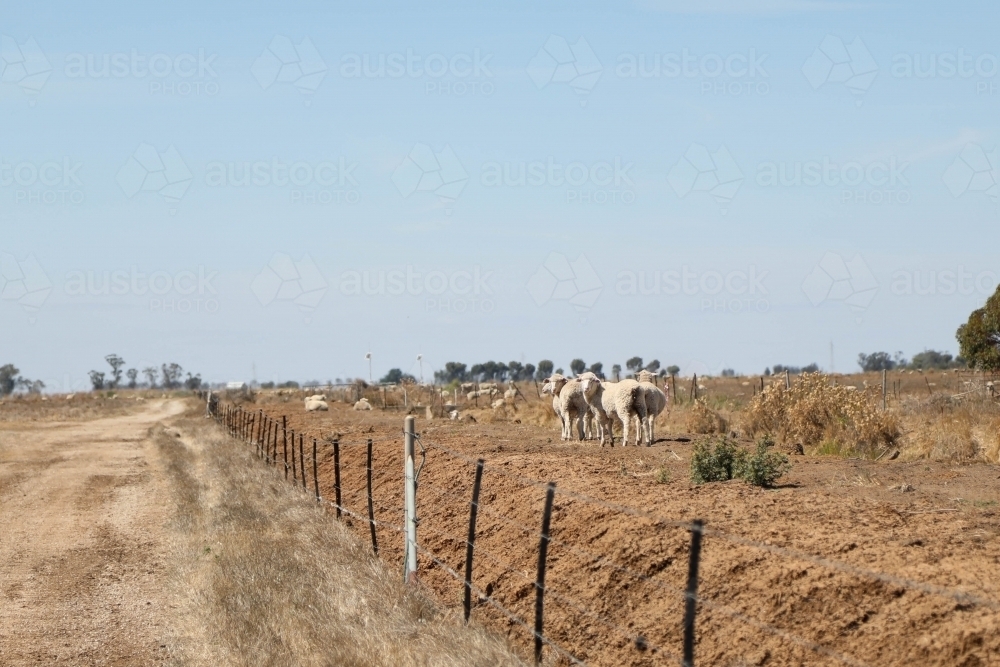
x: 586, y: 399
x: 590, y: 404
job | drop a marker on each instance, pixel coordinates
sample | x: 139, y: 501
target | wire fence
x: 300, y: 458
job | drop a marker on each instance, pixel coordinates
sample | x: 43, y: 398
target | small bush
x: 717, y: 463
x: 764, y: 467
x: 724, y: 461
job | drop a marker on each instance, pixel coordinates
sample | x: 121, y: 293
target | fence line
x: 241, y: 423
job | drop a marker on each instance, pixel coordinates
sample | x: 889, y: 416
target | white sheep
x: 468, y: 386
x: 363, y: 404
x: 656, y: 402
x: 573, y: 406
x: 510, y: 393
x: 608, y: 400
x: 549, y: 387
x: 316, y: 405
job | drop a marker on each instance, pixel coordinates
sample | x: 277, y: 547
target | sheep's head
x: 555, y: 383
x: 645, y: 376
x: 590, y: 384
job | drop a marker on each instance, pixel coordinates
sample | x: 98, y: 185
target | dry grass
x: 273, y: 579
x: 942, y: 428
x: 61, y: 408
x: 815, y: 413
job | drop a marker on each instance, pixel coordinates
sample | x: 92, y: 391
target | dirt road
x: 82, y: 541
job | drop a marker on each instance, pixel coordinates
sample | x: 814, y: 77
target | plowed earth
x: 614, y: 588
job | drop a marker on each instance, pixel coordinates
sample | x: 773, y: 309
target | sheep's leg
x: 580, y: 426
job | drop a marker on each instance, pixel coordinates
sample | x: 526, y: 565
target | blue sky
x: 732, y: 187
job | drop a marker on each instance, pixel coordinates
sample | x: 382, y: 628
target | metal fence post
x: 336, y: 473
x: 284, y: 440
x: 410, y: 494
x: 371, y: 505
x: 691, y: 594
x: 543, y: 550
x: 315, y: 473
x: 470, y: 543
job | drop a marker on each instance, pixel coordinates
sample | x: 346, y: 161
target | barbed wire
x: 483, y: 596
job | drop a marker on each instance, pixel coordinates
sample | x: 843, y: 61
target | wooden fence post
x: 284, y: 440
x: 336, y: 473
x: 302, y: 461
x: 315, y: 473
x: 410, y: 495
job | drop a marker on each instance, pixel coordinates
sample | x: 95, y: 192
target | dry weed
x: 813, y: 412
x: 942, y: 428
x: 704, y: 420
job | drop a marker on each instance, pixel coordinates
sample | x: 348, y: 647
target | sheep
x: 656, y: 402
x: 316, y: 397
x: 572, y: 405
x: 550, y: 387
x: 499, y: 403
x: 624, y: 400
x: 363, y: 404
x: 468, y: 386
x: 316, y: 405
x: 510, y: 393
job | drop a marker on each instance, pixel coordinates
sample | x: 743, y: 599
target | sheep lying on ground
x: 656, y: 402
x: 609, y: 400
x: 363, y: 404
x: 316, y: 403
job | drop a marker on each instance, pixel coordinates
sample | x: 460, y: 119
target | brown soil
x: 82, y: 546
x: 615, y: 580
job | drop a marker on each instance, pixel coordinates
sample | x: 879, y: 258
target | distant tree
x: 811, y: 368
x: 673, y: 370
x: 728, y: 373
x: 267, y: 385
x: 876, y: 361
x: 597, y: 368
x: 932, y: 359
x: 453, y: 372
x: 767, y: 372
x: 132, y: 374
x: 544, y: 369
x: 476, y: 372
x: 8, y: 379
x: 396, y: 376
x: 171, y: 375
x: 152, y: 375
x: 979, y: 337
x: 515, y: 370
x: 616, y: 371
x: 193, y: 382
x: 116, y: 364
x: 97, y: 380
x: 559, y: 371
x: 634, y: 364
x: 290, y: 384
x: 577, y: 366
x: 529, y: 371
x: 653, y: 366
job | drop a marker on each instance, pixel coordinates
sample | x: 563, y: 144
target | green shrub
x: 764, y: 467
x: 722, y: 460
x: 715, y: 463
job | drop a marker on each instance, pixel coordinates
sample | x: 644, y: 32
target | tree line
x: 168, y: 376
